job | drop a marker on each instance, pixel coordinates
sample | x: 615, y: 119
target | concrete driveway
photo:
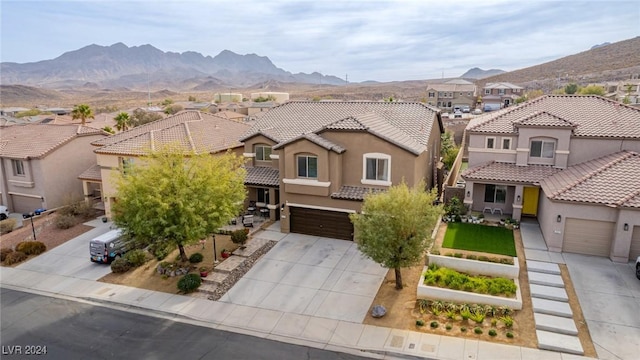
x: 72, y: 258
x: 310, y: 275
x: 609, y: 294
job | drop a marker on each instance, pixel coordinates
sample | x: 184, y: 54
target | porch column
x: 85, y: 191
x: 517, y: 202
x: 272, y: 205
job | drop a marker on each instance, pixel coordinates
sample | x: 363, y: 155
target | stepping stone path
x: 555, y: 328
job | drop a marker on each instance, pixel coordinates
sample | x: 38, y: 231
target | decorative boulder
x: 378, y: 311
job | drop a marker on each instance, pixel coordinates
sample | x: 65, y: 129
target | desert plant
x: 7, y: 225
x: 136, y: 257
x: 465, y: 314
x: 451, y: 306
x: 239, y: 237
x: 189, y: 283
x: 196, y: 258
x: 419, y: 322
x: 505, y: 310
x: 510, y: 335
x: 4, y: 252
x: 507, y: 321
x: 492, y: 332
x: 65, y: 221
x: 423, y: 305
x: 477, y: 330
x: 494, y: 322
x: 437, y: 307
x: 478, y: 317
x: 490, y: 310
x: 472, y: 257
x: 451, y: 314
x: 457, y: 255
x: 119, y: 266
x: 434, y: 324
x: 444, y: 277
x: 463, y: 329
x: 31, y: 247
x: 449, y: 327
x: 15, y: 257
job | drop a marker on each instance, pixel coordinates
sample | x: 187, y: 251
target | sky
x: 358, y: 40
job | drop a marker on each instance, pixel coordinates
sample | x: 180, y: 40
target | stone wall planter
x: 477, y: 267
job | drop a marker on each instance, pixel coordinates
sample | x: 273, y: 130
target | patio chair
x: 247, y: 220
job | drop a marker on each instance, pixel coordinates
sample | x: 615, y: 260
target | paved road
x: 73, y: 330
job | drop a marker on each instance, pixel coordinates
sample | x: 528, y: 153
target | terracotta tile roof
x: 406, y: 124
x: 451, y: 87
x: 316, y: 139
x: 262, y: 176
x: 38, y: 140
x: 543, y: 118
x: 593, y: 116
x: 355, y: 193
x: 192, y: 130
x: 92, y: 173
x: 501, y: 85
x: 509, y: 172
x: 610, y: 180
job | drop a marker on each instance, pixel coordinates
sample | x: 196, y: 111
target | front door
x: 530, y: 201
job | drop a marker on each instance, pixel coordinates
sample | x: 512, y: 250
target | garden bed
x: 476, y: 267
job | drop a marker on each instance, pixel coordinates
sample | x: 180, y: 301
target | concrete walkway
x: 286, y: 326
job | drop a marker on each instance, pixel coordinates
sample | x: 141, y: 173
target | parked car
x: 4, y: 212
x: 107, y: 247
x: 638, y: 267
x: 35, y: 212
x: 477, y: 111
x: 457, y: 115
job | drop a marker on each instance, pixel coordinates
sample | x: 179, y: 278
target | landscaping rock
x: 378, y: 311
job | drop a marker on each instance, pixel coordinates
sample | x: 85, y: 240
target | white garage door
x: 635, y: 243
x: 589, y: 237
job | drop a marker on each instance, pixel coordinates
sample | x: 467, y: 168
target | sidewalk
x: 317, y: 332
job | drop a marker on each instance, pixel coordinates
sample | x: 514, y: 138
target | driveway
x: 609, y: 295
x: 310, y: 275
x: 72, y: 258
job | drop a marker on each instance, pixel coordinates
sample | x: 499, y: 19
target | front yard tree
x: 122, y: 121
x: 82, y: 112
x: 173, y: 197
x: 394, y: 227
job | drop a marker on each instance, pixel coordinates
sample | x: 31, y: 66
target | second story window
x: 491, y: 143
x: 377, y: 169
x: 487, y: 91
x: 125, y: 165
x: 18, y: 167
x: 500, y: 91
x: 432, y: 94
x: 307, y: 166
x: 542, y: 149
x: 263, y: 153
x: 506, y: 143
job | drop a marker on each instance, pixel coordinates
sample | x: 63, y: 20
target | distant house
x: 227, y: 97
x: 40, y: 164
x: 447, y: 95
x: 12, y: 111
x: 572, y: 162
x: 625, y: 89
x: 495, y: 96
x: 278, y: 97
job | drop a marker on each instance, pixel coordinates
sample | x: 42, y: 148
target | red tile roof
x: 508, y: 172
x: 92, y: 173
x: 38, y: 140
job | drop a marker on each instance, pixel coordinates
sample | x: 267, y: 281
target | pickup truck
x: 638, y: 267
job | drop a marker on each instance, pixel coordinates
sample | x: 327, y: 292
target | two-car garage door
x: 635, y: 243
x: 588, y: 237
x: 332, y: 224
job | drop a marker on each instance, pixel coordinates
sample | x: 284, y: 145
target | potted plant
x: 203, y: 271
x: 225, y: 253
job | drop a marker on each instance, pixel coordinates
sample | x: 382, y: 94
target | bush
x: 31, y: 247
x: 136, y: 257
x: 196, y: 258
x: 507, y: 320
x: 449, y: 278
x: 239, y: 236
x: 7, y: 225
x: 119, y: 266
x: 494, y: 322
x: 4, y: 252
x: 463, y: 329
x: 15, y: 257
x: 448, y: 327
x: 457, y: 255
x: 492, y: 332
x: 65, y: 221
x: 434, y: 324
x: 510, y: 335
x: 419, y: 322
x: 472, y: 257
x: 477, y: 330
x: 189, y: 283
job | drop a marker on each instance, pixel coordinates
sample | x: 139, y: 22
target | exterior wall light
x: 559, y: 218
x: 626, y: 227
x: 518, y: 198
x: 468, y: 193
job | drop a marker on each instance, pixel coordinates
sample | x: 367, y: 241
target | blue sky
x: 368, y: 40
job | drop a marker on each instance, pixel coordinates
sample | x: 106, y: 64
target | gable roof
x: 501, y: 85
x: 592, y: 116
x: 543, y: 118
x: 23, y: 141
x: 192, y: 130
x: 404, y: 124
x: 509, y: 172
x: 610, y: 180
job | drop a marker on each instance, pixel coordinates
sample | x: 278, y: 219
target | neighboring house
x: 573, y: 162
x: 259, y: 107
x: 231, y: 115
x: 312, y: 163
x: 227, y: 97
x: 496, y: 96
x: 278, y: 97
x: 629, y: 89
x: 12, y: 111
x: 193, y: 130
x: 447, y: 95
x: 40, y: 164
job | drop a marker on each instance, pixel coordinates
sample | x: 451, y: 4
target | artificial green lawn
x: 476, y: 237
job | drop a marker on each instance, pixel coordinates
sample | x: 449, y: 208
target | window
x: 495, y: 194
x: 506, y: 143
x: 263, y: 152
x: 125, y: 165
x: 439, y: 103
x: 440, y: 94
x: 491, y: 143
x: 432, y: 94
x: 307, y: 166
x: 18, y: 167
x: 449, y: 104
x: 487, y: 91
x: 263, y: 196
x: 542, y: 149
x: 469, y: 94
x: 500, y: 91
x: 377, y: 169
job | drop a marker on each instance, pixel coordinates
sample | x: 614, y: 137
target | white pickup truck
x: 638, y: 267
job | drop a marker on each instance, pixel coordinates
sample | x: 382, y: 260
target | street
x: 34, y: 325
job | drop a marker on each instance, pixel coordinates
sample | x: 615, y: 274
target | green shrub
x: 483, y: 258
x: 119, y: 266
x: 136, y: 257
x: 65, y: 221
x: 419, y: 322
x: 448, y: 327
x: 15, y: 257
x: 505, y: 310
x: 4, y: 252
x: 463, y: 329
x: 196, y: 258
x: 31, y: 247
x: 478, y: 317
x: 449, y: 278
x: 510, y: 335
x: 434, y: 324
x: 472, y: 257
x: 239, y: 236
x: 492, y: 332
x: 189, y: 283
x: 451, y: 314
x: 457, y: 255
x: 465, y: 313
x: 7, y: 225
x: 477, y: 330
x: 423, y: 305
x: 507, y: 321
x: 494, y: 322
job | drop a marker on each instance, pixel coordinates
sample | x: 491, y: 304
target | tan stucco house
x: 40, y: 164
x: 447, y: 95
x: 572, y: 162
x: 312, y: 163
x: 193, y: 130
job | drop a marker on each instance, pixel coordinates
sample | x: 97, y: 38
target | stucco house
x: 496, y: 96
x: 572, y: 162
x: 312, y: 163
x: 40, y: 164
x: 447, y: 95
x: 193, y: 130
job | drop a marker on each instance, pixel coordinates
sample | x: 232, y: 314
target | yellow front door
x: 530, y: 201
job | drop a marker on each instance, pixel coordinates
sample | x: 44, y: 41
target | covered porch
x: 263, y: 193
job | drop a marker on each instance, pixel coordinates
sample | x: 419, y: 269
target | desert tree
x: 571, y: 88
x: 141, y: 117
x: 592, y: 90
x: 123, y: 121
x: 394, y: 227
x: 176, y: 197
x: 82, y: 112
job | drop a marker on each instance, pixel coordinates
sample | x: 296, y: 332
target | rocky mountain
x: 140, y: 67
x: 477, y: 73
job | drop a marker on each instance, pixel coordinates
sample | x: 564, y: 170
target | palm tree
x: 82, y: 112
x: 122, y: 121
